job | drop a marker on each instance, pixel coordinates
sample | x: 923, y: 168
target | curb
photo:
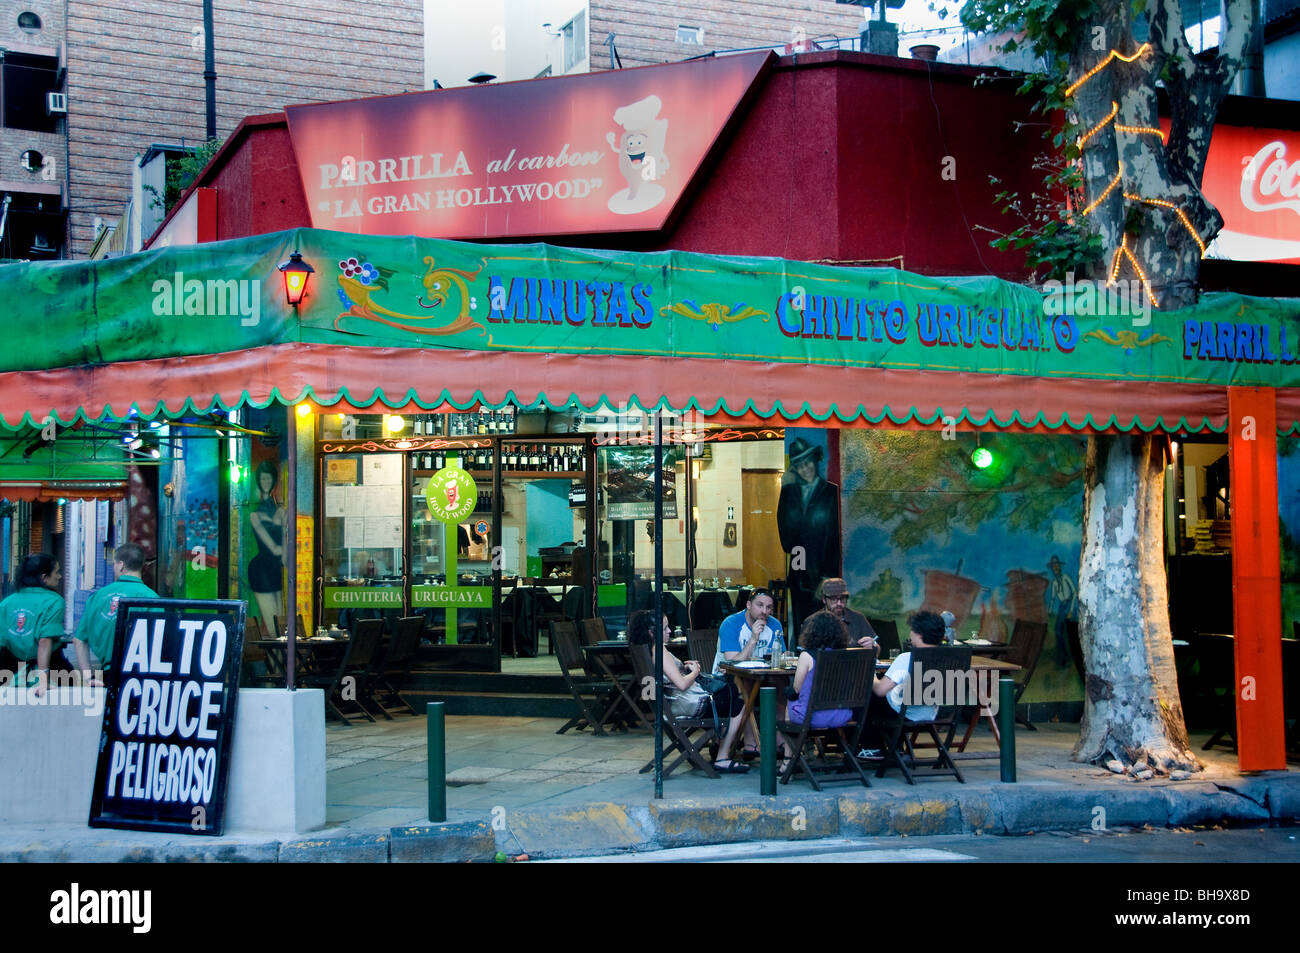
x: 599, y: 828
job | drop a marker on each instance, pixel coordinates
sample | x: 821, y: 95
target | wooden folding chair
x: 841, y: 679
x: 393, y: 670
x: 956, y: 682
x: 355, y: 664
x: 1026, y: 643
x: 886, y: 636
x: 703, y: 647
x: 588, y: 691
x: 593, y: 630
x: 678, y: 731
x: 270, y: 674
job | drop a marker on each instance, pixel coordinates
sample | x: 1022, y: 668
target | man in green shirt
x: 99, y: 621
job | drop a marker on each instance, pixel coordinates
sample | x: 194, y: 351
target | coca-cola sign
x: 1268, y: 182
x: 1253, y: 178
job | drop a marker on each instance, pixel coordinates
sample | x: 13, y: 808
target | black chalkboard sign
x: 169, y: 716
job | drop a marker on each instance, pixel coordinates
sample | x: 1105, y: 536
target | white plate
x: 750, y: 664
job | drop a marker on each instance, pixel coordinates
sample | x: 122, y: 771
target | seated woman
x: 821, y: 630
x: 685, y: 698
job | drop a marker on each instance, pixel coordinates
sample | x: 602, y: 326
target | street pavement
x: 1270, y: 845
x: 515, y: 788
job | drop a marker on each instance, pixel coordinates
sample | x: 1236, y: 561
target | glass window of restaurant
x: 490, y: 524
x: 727, y: 488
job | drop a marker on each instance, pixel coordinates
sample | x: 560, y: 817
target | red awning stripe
x: 48, y: 492
x: 824, y: 396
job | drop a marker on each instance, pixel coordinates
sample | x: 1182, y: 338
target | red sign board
x: 599, y: 152
x: 1252, y: 176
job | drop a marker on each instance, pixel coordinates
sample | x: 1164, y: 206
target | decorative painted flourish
x: 714, y: 313
x: 359, y: 281
x: 674, y: 436
x: 1127, y: 339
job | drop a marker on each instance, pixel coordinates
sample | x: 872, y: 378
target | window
x: 693, y: 35
x: 29, y: 22
x: 575, y: 41
x: 24, y: 81
x: 32, y: 160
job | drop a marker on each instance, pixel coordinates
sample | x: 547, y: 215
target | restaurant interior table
x: 749, y: 679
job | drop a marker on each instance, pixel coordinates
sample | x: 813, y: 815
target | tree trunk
x: 1132, y: 711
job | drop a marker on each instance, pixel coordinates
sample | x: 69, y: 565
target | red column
x: 1256, y: 578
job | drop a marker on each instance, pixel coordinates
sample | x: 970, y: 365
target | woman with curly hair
x: 687, y: 699
x: 821, y: 630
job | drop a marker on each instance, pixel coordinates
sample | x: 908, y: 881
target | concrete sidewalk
x: 515, y: 786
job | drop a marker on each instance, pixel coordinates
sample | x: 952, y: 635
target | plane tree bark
x: 1142, y: 196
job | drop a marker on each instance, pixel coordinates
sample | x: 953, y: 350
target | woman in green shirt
x: 31, y: 620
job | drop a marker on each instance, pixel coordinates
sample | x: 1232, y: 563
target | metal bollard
x: 767, y: 739
x: 437, y: 762
x: 1007, y: 728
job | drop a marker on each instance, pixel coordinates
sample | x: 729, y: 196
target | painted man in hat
x: 808, y: 520
x: 1062, y: 599
x: 835, y: 597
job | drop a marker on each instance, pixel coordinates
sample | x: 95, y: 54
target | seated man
x: 926, y: 629
x: 750, y: 633
x: 835, y: 599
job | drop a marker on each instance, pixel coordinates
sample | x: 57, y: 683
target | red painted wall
x: 840, y: 156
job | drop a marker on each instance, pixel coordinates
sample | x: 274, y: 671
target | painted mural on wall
x: 926, y: 528
x: 264, y: 516
x: 190, y: 518
x: 808, y: 520
x: 1288, y: 505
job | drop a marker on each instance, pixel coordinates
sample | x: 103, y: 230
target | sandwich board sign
x: 169, y: 715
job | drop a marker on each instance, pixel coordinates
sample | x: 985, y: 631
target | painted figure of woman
x: 266, y: 569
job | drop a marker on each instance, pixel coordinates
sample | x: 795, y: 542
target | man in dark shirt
x: 835, y: 597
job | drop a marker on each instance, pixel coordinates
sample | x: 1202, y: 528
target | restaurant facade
x: 787, y: 259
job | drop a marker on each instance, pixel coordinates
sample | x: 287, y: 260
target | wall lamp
x: 296, y: 272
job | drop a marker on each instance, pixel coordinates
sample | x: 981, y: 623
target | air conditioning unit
x: 56, y: 103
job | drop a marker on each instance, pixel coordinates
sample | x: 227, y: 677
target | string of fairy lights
x: 1123, y: 252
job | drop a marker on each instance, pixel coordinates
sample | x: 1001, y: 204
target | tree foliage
x: 1119, y: 199
x: 181, y: 172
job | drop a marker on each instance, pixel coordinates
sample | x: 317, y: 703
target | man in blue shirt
x: 750, y: 633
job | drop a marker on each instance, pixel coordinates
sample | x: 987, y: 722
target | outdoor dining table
x: 611, y: 660
x: 309, y: 654
x: 749, y: 679
x: 978, y: 663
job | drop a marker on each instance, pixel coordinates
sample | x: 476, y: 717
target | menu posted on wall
x: 164, y: 749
